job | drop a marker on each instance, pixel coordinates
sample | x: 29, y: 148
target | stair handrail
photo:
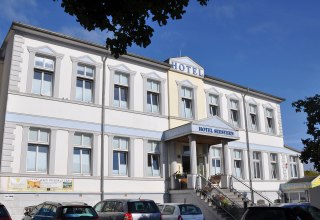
x: 231, y: 187
x: 209, y: 195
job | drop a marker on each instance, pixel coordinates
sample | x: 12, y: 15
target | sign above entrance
x: 187, y: 65
x: 214, y: 131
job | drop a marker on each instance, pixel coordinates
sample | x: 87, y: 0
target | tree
x: 311, y: 173
x: 311, y: 150
x: 127, y: 21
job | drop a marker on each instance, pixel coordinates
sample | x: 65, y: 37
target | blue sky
x: 272, y: 46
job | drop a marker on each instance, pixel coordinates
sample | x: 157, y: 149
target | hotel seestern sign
x: 187, y: 66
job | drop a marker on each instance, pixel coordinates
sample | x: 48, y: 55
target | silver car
x: 127, y: 209
x: 180, y: 211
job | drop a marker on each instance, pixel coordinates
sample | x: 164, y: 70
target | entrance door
x: 201, y: 166
x: 186, y: 164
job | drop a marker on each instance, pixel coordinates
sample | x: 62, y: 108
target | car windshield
x: 189, y: 210
x: 3, y: 212
x: 143, y: 207
x: 78, y: 212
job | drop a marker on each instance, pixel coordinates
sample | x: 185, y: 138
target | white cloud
x: 94, y: 36
x: 16, y: 10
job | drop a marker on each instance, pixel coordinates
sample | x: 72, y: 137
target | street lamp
x: 247, y: 141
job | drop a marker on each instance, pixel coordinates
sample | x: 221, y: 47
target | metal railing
x: 255, y: 193
x: 218, y: 198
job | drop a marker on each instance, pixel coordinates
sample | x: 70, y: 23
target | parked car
x: 63, y: 210
x: 127, y: 209
x: 283, y: 212
x: 4, y: 214
x: 180, y: 211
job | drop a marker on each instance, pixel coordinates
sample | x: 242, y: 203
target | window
x: 153, y: 151
x: 237, y: 160
x: 38, y: 148
x: 256, y: 165
x: 293, y: 166
x: 274, y: 166
x: 43, y: 76
x: 120, y: 156
x: 270, y: 120
x: 253, y: 117
x: 214, y: 105
x: 234, y: 112
x: 121, y: 90
x: 82, y: 154
x: 84, y: 85
x: 186, y: 96
x: 153, y: 94
x: 216, y: 161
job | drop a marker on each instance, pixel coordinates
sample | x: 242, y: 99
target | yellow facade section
x: 175, y: 118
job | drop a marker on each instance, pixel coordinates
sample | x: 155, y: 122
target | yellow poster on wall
x: 22, y: 184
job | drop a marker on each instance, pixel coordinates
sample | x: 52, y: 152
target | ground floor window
x: 153, y: 151
x: 237, y: 163
x: 120, y: 156
x: 216, y: 161
x: 296, y: 197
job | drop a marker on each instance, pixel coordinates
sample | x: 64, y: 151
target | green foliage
x: 125, y: 20
x: 311, y: 150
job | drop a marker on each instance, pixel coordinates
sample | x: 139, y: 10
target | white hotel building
x: 156, y: 119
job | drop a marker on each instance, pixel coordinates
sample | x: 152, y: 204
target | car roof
x: 66, y: 203
x: 128, y: 200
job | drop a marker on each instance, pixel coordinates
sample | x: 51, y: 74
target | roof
x: 18, y: 26
x: 291, y: 148
x: 302, y: 180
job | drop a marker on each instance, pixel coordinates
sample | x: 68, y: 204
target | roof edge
x: 291, y: 148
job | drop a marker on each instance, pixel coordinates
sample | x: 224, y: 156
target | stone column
x: 226, y: 159
x: 193, y: 162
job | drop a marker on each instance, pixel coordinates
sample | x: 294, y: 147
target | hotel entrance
x: 189, y: 145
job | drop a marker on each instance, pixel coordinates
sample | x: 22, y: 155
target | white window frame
x: 213, y: 92
x: 238, y: 160
x: 153, y: 92
x: 269, y: 129
x: 274, y: 170
x: 185, y: 100
x: 119, y: 86
x: 43, y: 70
x: 38, y: 143
x: 82, y: 146
x: 153, y: 152
x: 214, y: 105
x: 119, y: 151
x: 194, y: 110
x: 131, y: 91
x: 85, y: 78
x: 256, y: 161
x: 253, y: 127
x: 47, y: 52
x: 293, y: 164
x: 233, y: 110
x: 214, y: 159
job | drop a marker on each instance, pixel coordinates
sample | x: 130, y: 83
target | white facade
x: 51, y: 117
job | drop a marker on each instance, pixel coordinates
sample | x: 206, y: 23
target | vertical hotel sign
x: 187, y: 66
x: 25, y: 184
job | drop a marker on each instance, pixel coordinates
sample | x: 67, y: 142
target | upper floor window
x: 38, y: 148
x: 270, y: 120
x: 293, y: 166
x: 85, y: 81
x: 153, y: 152
x: 257, y: 165
x: 216, y: 161
x: 253, y: 113
x: 234, y: 112
x: 186, y: 102
x: 274, y: 166
x: 120, y: 156
x: 153, y: 96
x: 42, y: 82
x: 237, y: 160
x: 214, y: 105
x: 82, y: 153
x: 121, y: 90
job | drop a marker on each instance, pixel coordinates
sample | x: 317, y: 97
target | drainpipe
x: 104, y: 59
x: 247, y: 141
